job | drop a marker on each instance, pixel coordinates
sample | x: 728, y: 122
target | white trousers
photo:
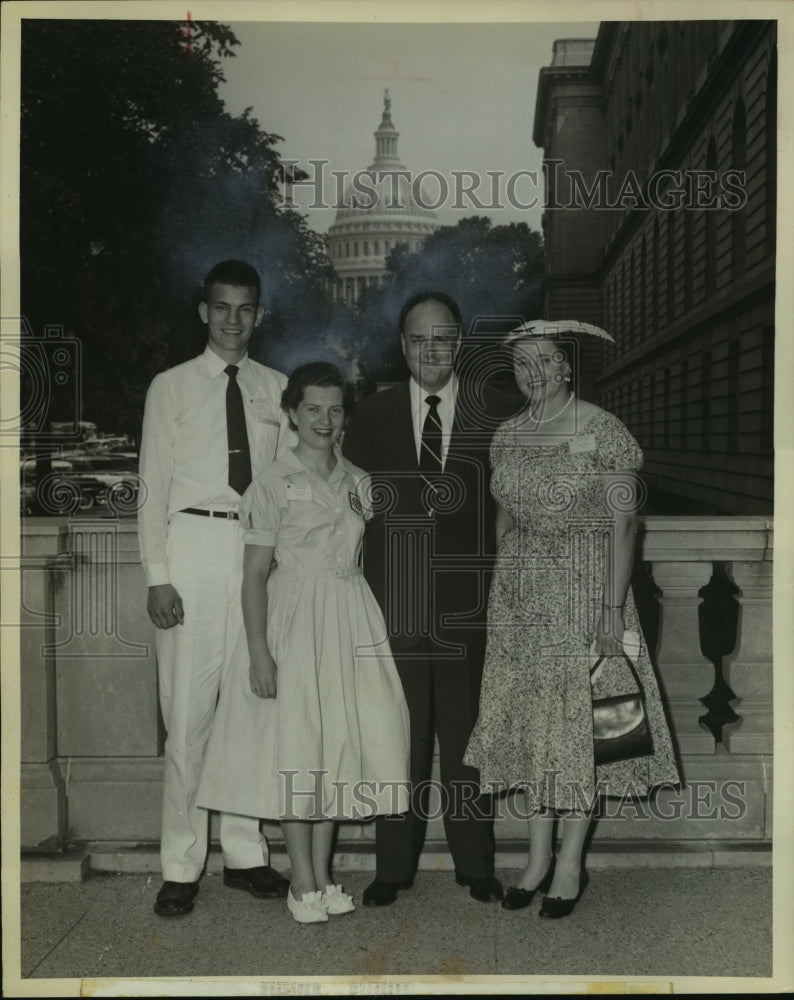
x: 205, y: 561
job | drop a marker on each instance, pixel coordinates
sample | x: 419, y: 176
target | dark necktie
x: 430, y: 451
x: 237, y: 434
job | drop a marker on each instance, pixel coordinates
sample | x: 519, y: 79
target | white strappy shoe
x: 336, y: 902
x: 310, y: 909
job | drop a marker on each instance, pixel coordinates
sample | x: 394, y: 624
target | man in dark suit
x: 428, y: 555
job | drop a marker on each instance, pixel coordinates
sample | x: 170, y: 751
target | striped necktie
x: 430, y: 451
x: 430, y: 454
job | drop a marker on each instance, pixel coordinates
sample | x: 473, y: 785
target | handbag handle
x: 627, y: 658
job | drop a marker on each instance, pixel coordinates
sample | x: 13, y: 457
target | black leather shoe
x: 263, y: 882
x: 380, y: 893
x: 484, y: 890
x: 517, y: 899
x: 556, y: 907
x: 175, y: 898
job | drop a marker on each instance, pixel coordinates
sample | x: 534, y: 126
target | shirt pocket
x: 264, y: 438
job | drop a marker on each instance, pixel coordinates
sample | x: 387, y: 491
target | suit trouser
x: 439, y: 700
x: 205, y: 559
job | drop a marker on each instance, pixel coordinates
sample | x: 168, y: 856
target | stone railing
x: 92, y: 737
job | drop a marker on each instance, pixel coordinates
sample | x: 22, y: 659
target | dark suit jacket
x: 430, y: 575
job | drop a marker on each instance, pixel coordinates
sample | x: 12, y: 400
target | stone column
x: 108, y: 736
x: 748, y: 669
x: 43, y: 816
x: 686, y: 674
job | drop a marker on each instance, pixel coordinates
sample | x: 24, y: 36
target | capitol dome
x: 382, y: 206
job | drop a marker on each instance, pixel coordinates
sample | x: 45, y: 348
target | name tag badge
x: 586, y: 442
x: 295, y: 492
x: 262, y: 410
x: 355, y: 503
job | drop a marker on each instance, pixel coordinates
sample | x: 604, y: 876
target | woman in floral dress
x: 563, y: 475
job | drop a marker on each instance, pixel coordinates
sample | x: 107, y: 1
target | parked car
x: 107, y: 443
x: 62, y: 490
x: 117, y: 472
x: 81, y: 482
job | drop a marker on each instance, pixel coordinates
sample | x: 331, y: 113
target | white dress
x: 334, y: 743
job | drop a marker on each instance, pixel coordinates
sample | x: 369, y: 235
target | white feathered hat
x: 552, y: 328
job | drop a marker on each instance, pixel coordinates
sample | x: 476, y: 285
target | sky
x: 462, y: 99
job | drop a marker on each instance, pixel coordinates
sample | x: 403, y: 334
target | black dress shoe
x: 556, y: 907
x: 517, y: 899
x: 175, y: 898
x: 484, y: 890
x: 380, y: 893
x: 263, y: 882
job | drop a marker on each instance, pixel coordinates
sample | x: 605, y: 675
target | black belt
x: 232, y: 515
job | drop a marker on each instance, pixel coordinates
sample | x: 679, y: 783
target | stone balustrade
x: 92, y: 737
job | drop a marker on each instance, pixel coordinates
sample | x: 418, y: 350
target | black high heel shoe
x: 517, y: 899
x: 556, y: 907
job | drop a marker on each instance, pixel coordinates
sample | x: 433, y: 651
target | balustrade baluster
x: 748, y: 669
x: 685, y: 672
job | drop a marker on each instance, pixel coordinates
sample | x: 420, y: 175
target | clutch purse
x: 620, y: 723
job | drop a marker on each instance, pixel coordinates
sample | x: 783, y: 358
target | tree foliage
x: 134, y: 182
x: 495, y: 273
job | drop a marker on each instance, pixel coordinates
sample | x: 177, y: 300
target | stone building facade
x: 659, y: 143
x: 382, y: 207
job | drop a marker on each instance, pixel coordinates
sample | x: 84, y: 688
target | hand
x: 609, y: 638
x: 165, y: 606
x: 262, y: 677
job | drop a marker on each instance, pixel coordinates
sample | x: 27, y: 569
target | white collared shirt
x: 314, y: 524
x: 446, y: 412
x: 184, y: 447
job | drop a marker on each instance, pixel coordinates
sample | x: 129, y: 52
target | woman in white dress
x: 316, y: 688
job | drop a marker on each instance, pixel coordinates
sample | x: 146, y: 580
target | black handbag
x: 620, y: 723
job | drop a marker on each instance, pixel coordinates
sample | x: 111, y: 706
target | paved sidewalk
x: 646, y: 922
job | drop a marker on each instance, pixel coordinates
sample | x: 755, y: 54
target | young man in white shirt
x: 209, y: 425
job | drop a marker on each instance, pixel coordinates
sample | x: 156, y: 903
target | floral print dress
x: 535, y: 726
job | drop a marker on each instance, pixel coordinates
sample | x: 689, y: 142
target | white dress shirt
x: 446, y: 412
x: 184, y: 447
